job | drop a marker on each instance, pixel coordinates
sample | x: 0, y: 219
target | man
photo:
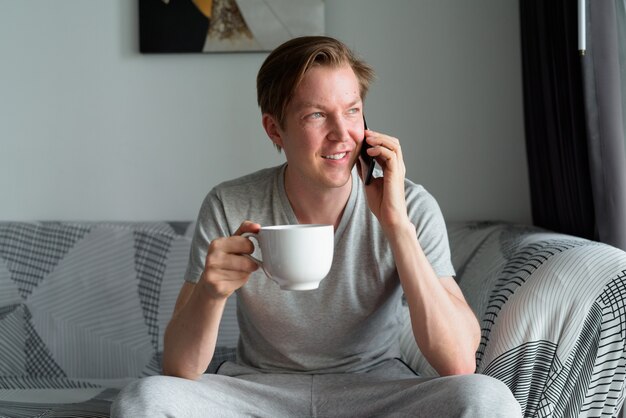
x: 331, y: 351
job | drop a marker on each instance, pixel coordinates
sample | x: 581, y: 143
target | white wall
x: 92, y: 130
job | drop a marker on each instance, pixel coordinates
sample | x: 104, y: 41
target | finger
x: 220, y: 261
x: 386, y: 149
x: 377, y: 138
x: 248, y: 226
x: 231, y: 245
x: 384, y: 156
x: 385, y: 141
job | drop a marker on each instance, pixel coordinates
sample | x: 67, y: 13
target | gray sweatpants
x: 390, y: 390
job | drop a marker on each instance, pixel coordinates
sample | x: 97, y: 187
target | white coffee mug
x: 296, y: 257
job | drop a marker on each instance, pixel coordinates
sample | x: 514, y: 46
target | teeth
x: 335, y: 156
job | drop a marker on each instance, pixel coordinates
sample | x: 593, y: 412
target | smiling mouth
x: 337, y: 156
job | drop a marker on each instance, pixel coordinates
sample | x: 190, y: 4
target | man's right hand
x: 226, y: 269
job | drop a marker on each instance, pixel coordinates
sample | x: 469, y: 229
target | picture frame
x: 205, y: 26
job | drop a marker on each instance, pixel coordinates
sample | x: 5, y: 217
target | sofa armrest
x: 552, y: 313
x: 553, y: 329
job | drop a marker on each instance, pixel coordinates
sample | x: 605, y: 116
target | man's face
x: 323, y: 128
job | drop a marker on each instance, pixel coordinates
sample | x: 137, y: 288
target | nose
x: 338, y: 130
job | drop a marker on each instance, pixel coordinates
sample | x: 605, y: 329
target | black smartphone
x: 368, y: 160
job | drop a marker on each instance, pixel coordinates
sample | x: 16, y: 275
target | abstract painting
x: 168, y: 26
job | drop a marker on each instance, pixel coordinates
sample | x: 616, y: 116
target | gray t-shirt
x: 352, y: 321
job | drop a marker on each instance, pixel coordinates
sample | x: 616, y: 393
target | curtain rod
x: 582, y: 26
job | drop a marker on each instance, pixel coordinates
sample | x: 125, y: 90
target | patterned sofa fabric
x: 552, y: 312
x: 83, y: 308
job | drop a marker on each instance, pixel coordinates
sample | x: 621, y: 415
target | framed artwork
x: 167, y: 26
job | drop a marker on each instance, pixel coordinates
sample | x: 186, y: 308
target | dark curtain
x: 602, y: 68
x: 572, y: 111
x: 554, y: 118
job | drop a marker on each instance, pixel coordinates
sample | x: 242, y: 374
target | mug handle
x: 250, y: 235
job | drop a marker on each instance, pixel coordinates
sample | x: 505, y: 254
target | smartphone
x: 368, y: 160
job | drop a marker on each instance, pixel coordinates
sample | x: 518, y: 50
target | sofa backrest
x: 86, y: 300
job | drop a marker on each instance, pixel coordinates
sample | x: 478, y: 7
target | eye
x: 354, y: 111
x: 315, y: 115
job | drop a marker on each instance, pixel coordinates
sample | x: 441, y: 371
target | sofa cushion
x: 87, y: 300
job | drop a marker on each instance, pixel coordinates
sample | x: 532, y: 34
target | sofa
x: 83, y: 308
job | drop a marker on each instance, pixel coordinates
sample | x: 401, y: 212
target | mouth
x: 337, y: 156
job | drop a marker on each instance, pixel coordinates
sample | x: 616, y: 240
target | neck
x: 317, y: 205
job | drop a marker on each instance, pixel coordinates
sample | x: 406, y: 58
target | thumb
x: 248, y: 226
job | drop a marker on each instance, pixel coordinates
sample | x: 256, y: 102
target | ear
x: 272, y: 129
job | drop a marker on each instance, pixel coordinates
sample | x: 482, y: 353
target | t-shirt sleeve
x: 211, y: 224
x: 431, y: 229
